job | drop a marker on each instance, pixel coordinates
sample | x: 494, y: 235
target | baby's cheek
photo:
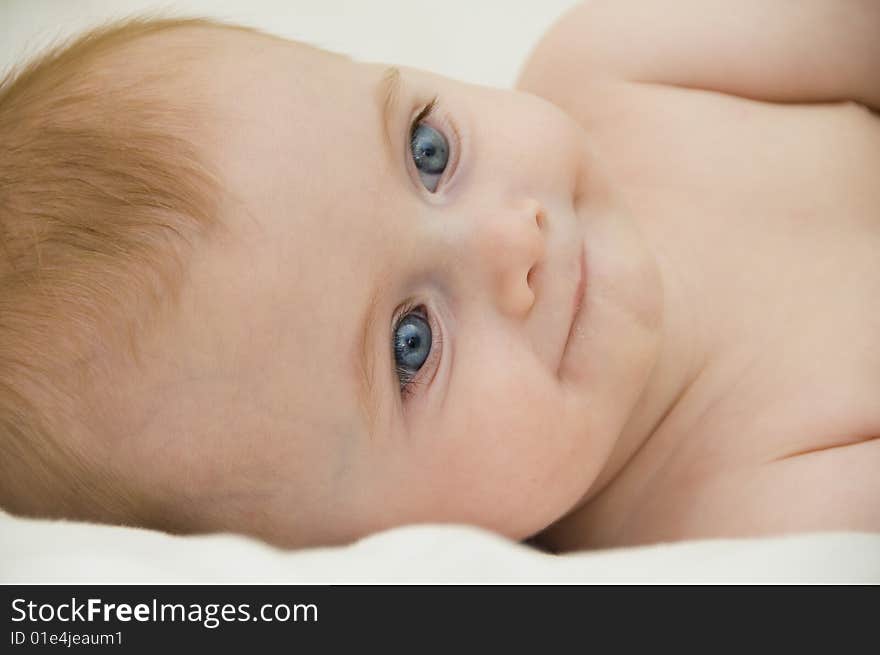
x: 501, y: 451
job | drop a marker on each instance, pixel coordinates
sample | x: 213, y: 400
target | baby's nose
x: 510, y: 250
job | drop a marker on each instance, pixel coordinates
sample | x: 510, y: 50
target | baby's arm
x: 777, y: 50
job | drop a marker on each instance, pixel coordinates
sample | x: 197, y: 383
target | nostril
x: 539, y: 218
x: 529, y: 279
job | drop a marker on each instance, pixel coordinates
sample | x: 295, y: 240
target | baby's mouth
x: 577, y: 304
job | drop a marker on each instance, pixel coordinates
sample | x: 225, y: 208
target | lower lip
x: 577, y: 309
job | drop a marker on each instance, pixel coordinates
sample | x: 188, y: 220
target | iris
x: 430, y: 152
x: 412, y: 345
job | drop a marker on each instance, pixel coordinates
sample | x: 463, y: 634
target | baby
x: 252, y: 286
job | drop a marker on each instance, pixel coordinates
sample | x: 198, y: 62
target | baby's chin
x: 622, y: 313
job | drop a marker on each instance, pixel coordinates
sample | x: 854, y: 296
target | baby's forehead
x: 189, y: 50
x: 232, y: 43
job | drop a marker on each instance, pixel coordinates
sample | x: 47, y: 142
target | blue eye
x: 412, y: 345
x: 430, y: 152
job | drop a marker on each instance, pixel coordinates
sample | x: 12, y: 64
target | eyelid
x: 434, y: 115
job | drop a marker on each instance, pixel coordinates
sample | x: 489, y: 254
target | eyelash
x: 426, y: 112
x: 408, y: 381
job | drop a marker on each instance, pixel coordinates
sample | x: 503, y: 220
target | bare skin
x: 721, y: 379
x: 766, y: 221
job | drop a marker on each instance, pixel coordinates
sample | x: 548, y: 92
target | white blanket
x: 43, y: 551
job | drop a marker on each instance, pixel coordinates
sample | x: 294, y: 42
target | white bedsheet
x: 44, y: 551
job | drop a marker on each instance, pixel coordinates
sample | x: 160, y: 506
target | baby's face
x: 384, y: 333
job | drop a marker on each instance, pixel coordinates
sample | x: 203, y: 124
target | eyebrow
x: 366, y: 374
x: 389, y: 90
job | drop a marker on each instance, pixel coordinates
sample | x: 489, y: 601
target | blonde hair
x: 102, y: 194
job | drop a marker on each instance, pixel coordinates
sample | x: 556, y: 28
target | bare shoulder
x: 833, y: 488
x: 791, y: 51
x: 560, y: 65
x: 826, y: 489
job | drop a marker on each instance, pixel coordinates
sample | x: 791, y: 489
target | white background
x: 482, y: 41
